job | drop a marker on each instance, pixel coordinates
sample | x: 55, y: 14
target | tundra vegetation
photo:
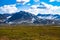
x: 25, y: 32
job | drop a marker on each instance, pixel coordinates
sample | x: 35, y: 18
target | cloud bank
x: 42, y: 8
x: 8, y: 9
x: 50, y: 9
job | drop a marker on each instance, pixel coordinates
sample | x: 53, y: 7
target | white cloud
x: 8, y: 9
x: 36, y: 0
x: 54, y: 0
x: 33, y: 9
x: 50, y: 9
x: 28, y: 4
x: 58, y: 0
x: 22, y: 1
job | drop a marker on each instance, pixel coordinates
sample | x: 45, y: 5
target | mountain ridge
x: 23, y: 17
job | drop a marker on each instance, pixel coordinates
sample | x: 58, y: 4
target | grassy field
x: 22, y: 32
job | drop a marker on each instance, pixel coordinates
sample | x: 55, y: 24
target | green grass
x: 22, y: 32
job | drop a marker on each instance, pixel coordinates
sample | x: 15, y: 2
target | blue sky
x: 52, y: 6
x: 8, y: 2
x: 55, y: 3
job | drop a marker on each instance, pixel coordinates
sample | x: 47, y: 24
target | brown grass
x: 22, y: 32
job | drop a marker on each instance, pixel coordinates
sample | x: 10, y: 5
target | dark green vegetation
x: 29, y: 32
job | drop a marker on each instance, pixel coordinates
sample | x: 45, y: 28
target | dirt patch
x: 4, y: 38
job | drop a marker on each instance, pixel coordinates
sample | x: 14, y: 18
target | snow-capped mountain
x: 49, y: 16
x: 4, y: 17
x: 23, y: 17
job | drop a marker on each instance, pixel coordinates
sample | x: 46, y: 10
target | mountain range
x: 23, y: 17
